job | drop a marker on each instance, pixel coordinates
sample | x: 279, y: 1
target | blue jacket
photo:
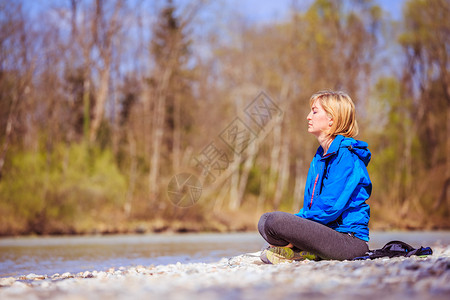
x: 338, y: 186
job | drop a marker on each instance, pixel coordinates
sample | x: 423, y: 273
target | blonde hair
x: 341, y: 109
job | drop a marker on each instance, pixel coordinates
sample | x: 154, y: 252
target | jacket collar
x: 334, y: 147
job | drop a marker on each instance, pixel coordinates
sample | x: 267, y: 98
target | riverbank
x: 245, y: 277
x: 191, y: 220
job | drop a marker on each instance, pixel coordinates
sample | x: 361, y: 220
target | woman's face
x: 318, y: 120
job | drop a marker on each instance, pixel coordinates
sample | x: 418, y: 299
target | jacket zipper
x: 317, y: 178
x: 314, y: 189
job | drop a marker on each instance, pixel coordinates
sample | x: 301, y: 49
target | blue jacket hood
x: 359, y: 148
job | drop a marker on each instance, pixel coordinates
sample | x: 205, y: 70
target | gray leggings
x: 280, y: 228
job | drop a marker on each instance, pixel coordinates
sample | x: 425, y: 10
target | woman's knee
x: 262, y: 222
x: 270, y: 220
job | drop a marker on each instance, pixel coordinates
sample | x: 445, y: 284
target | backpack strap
x: 422, y: 251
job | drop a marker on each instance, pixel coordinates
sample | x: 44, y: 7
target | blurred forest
x: 103, y: 102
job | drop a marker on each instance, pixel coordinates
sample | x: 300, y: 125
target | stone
x: 7, y: 281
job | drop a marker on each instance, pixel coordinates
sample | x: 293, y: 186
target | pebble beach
x: 246, y: 277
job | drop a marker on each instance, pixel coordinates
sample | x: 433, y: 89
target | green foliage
x: 389, y: 136
x: 68, y: 185
x: 254, y: 181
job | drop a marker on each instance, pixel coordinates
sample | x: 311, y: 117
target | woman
x: 333, y: 223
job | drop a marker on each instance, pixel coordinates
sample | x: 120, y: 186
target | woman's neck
x: 325, y: 141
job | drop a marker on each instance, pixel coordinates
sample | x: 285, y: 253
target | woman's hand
x: 288, y: 245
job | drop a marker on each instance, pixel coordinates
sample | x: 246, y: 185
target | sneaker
x: 301, y: 255
x: 276, y: 255
x: 263, y: 256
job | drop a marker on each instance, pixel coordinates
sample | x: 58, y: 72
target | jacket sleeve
x: 343, y: 178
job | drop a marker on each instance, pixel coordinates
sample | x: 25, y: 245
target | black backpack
x: 395, y: 249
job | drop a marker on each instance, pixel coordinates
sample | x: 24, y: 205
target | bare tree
x: 16, y: 69
x: 170, y: 88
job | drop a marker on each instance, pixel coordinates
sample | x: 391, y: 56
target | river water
x: 50, y: 255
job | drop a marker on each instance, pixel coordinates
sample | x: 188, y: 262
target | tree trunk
x: 86, y: 108
x: 239, y: 180
x: 274, y: 162
x: 132, y: 175
x: 8, y: 132
x: 283, y: 175
x: 234, y: 186
x: 176, y: 146
x: 248, y: 164
x: 159, y: 117
x: 299, y: 188
x: 100, y: 102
